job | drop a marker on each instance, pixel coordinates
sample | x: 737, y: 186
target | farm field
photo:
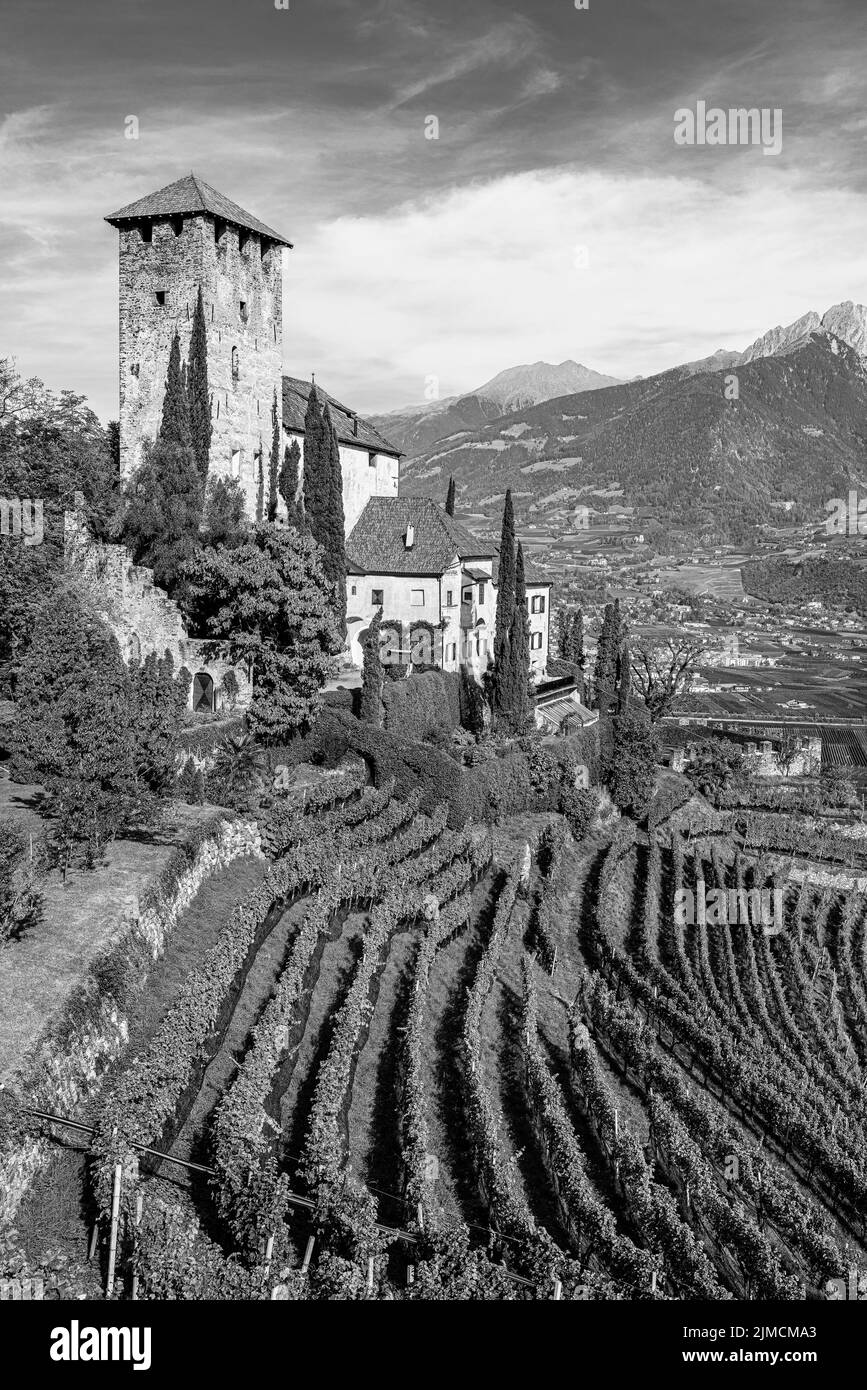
x: 415, y: 1062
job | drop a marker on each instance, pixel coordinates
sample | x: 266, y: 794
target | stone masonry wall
x: 142, y: 616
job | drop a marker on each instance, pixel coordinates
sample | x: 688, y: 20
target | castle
x: 188, y: 236
x: 435, y: 582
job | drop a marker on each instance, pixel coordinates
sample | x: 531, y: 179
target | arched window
x: 203, y: 692
x: 235, y: 369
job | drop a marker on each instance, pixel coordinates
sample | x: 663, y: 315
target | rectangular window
x: 161, y: 298
x: 243, y: 310
x: 377, y: 597
x: 354, y: 591
x: 481, y: 593
x: 236, y: 463
x: 452, y: 651
x: 450, y: 598
x: 468, y: 594
x: 416, y: 598
x: 536, y: 641
x: 537, y: 604
x: 481, y: 646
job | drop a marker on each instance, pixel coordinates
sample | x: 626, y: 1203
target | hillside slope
x: 674, y: 445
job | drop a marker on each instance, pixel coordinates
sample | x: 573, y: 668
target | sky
x: 554, y: 215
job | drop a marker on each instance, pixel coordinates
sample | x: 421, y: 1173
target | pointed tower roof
x: 192, y: 194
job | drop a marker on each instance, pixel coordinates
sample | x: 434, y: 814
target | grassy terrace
x: 81, y: 917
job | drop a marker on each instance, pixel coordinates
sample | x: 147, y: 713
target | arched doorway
x: 203, y: 693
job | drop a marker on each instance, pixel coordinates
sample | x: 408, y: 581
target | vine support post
x: 112, y: 1245
x: 558, y: 1289
x: 370, y: 1276
x: 308, y: 1255
x: 139, y: 1204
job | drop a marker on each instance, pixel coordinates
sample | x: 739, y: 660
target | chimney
x: 355, y: 425
x: 409, y: 539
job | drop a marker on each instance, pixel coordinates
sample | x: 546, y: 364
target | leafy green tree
x: 164, y: 508
x: 159, y: 702
x: 450, y: 498
x: 372, y: 677
x: 274, y: 463
x: 51, y: 447
x: 175, y: 423
x: 289, y: 485
x: 225, y: 515
x: 267, y: 602
x: 75, y: 722
x: 632, y: 775
x: 198, y: 390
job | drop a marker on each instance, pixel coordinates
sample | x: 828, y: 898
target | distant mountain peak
x: 534, y: 382
x: 846, y: 320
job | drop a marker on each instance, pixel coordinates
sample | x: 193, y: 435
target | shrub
x: 578, y: 805
x: 413, y: 707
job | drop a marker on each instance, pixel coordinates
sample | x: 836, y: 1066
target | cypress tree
x: 577, y: 639
x: 274, y: 462
x: 624, y: 680
x: 605, y: 675
x: 260, y: 489
x: 198, y: 390
x: 564, y: 634
x: 334, y: 562
x: 288, y: 484
x: 315, y: 488
x: 370, y: 711
x: 505, y: 580
x: 516, y: 687
x: 450, y: 498
x: 175, y: 424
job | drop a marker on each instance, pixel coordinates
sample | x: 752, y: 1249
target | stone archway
x: 203, y: 693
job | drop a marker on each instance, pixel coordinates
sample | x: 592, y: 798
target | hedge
x: 423, y: 702
x: 532, y: 777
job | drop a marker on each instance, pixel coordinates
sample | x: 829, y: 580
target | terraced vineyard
x: 422, y: 1063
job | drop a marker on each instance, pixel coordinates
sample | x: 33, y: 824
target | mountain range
x: 415, y: 429
x: 707, y: 451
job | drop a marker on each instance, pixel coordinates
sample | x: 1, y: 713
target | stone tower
x: 171, y: 242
